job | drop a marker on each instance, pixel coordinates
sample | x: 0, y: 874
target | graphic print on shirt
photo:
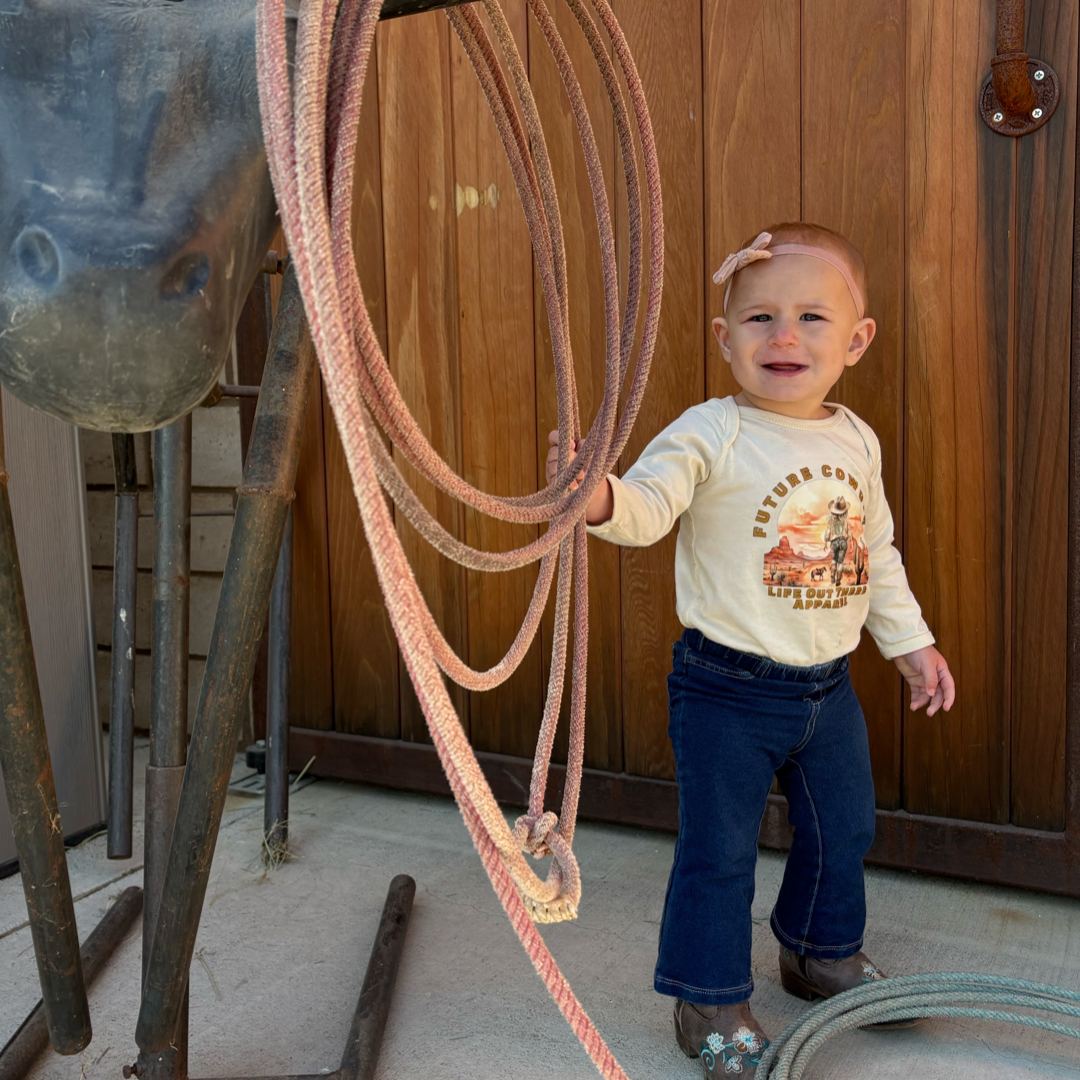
x: 820, y: 556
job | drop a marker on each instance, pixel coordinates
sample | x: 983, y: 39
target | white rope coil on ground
x: 907, y: 997
x: 310, y: 134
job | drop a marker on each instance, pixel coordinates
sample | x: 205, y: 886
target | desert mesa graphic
x: 820, y: 538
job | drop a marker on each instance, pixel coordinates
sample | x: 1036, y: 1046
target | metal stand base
x: 369, y: 1019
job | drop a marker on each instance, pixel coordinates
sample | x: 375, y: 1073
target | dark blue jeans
x: 736, y: 720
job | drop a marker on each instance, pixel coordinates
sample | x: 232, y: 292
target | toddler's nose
x: 783, y: 335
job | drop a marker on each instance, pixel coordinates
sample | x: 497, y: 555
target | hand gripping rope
x: 310, y: 134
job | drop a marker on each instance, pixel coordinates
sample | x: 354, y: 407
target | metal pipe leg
x: 172, y: 590
x: 276, y: 808
x: 28, y: 1042
x: 35, y: 816
x: 263, y: 502
x: 122, y: 694
x: 168, y: 692
x: 369, y: 1021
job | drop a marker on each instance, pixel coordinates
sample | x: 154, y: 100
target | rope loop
x: 311, y: 112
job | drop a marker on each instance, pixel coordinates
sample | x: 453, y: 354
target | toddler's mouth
x: 785, y: 368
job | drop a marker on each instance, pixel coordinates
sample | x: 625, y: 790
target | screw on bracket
x: 1000, y: 118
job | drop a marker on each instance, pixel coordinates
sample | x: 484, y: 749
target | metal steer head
x: 135, y: 202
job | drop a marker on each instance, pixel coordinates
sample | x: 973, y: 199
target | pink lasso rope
x: 310, y: 132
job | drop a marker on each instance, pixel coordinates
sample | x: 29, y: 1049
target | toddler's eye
x: 759, y: 318
x: 810, y: 316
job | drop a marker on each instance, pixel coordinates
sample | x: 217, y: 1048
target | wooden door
x: 860, y: 115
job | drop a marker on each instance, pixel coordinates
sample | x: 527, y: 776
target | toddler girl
x: 784, y: 552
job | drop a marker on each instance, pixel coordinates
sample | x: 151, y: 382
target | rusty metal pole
x: 262, y: 505
x: 28, y: 1042
x: 35, y: 816
x: 1011, y: 82
x: 168, y: 687
x: 369, y: 1021
x: 276, y: 805
x: 122, y: 683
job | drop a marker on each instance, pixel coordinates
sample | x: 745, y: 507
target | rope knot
x: 532, y: 832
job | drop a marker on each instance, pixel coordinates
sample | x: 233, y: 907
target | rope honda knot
x: 532, y: 832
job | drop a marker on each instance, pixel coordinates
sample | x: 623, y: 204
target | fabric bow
x: 735, y: 262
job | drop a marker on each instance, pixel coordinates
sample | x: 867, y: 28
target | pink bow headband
x: 757, y: 250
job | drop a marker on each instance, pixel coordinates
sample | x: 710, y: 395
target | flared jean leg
x: 821, y: 908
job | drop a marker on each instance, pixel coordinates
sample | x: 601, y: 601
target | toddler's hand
x: 601, y: 502
x: 551, y: 467
x: 929, y: 677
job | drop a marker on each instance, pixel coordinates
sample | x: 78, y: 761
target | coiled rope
x: 906, y: 997
x: 310, y: 134
x: 311, y: 143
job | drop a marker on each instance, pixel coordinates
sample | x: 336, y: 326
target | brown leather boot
x: 808, y: 978
x: 726, y: 1038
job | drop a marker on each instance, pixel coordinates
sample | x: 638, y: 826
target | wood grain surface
x: 603, y: 741
x: 419, y: 238
x: 958, y: 186
x: 752, y: 140
x: 668, y: 55
x: 860, y: 116
x: 1041, y: 472
x: 853, y: 182
x: 366, y: 677
x: 311, y: 683
x: 498, y: 371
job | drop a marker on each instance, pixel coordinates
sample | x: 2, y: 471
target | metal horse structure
x: 135, y: 213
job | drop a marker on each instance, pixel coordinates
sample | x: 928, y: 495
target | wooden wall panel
x: 1041, y: 475
x: 853, y: 181
x: 753, y: 140
x: 499, y: 449
x: 857, y: 115
x: 311, y: 684
x: 958, y: 182
x: 603, y: 741
x: 421, y: 299
x: 366, y: 687
x: 668, y: 55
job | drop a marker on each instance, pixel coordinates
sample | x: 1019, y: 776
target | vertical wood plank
x: 1046, y: 194
x: 853, y: 181
x: 495, y: 302
x: 311, y: 696
x: 603, y: 737
x: 668, y: 52
x: 958, y: 185
x: 753, y: 155
x: 366, y: 685
x: 421, y: 299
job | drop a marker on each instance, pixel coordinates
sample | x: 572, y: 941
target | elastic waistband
x: 762, y: 666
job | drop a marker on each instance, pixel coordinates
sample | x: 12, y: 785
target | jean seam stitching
x: 731, y: 673
x: 811, y: 724
x: 817, y: 829
x: 780, y: 932
x: 705, y: 989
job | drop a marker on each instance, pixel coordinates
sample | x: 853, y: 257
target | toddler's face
x: 791, y: 329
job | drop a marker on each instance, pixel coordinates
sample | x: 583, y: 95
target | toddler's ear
x: 720, y: 332
x: 861, y: 336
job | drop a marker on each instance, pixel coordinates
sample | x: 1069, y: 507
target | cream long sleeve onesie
x: 785, y: 545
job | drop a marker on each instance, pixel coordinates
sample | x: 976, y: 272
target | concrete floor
x: 280, y: 957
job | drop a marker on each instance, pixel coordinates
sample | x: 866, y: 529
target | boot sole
x: 798, y: 987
